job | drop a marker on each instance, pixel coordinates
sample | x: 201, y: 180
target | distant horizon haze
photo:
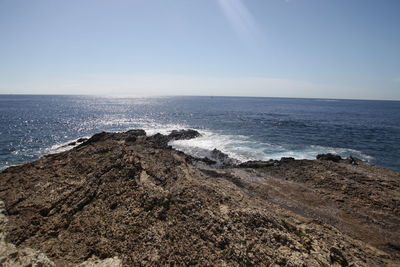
x: 205, y: 96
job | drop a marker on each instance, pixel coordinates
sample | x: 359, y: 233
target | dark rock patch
x: 330, y: 157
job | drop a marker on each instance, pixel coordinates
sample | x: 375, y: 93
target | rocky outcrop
x: 219, y: 159
x: 161, y: 141
x: 130, y: 199
x: 183, y: 134
x: 329, y: 156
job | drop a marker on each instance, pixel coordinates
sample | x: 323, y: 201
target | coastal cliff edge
x: 124, y: 199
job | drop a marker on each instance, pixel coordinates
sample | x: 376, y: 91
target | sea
x: 246, y: 128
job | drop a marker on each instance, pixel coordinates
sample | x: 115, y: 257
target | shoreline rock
x: 131, y: 199
x: 329, y: 156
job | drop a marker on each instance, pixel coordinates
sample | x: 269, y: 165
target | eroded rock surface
x: 130, y: 199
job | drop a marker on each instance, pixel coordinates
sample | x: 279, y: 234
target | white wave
x: 154, y: 128
x: 61, y: 147
x: 311, y: 152
x: 345, y: 152
x: 243, y: 149
x: 123, y: 124
x: 150, y: 128
x: 236, y: 146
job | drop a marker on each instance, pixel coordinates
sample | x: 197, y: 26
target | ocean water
x: 245, y: 128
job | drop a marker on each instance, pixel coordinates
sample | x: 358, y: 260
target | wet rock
x: 287, y: 159
x: 221, y: 159
x: 208, y: 161
x: 258, y: 164
x: 131, y: 139
x: 133, y: 135
x: 136, y: 132
x: 218, y: 154
x: 183, y: 134
x: 202, y: 161
x: 330, y: 157
x: 161, y: 141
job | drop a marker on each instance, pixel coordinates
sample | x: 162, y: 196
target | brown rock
x: 147, y: 204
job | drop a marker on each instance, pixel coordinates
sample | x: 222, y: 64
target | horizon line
x: 162, y: 96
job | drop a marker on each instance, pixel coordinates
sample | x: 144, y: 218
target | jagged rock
x: 201, y: 162
x: 161, y: 141
x: 136, y: 132
x: 258, y: 164
x: 215, y: 159
x: 287, y: 159
x: 147, y: 204
x: 221, y: 159
x: 96, y: 138
x: 183, y: 134
x: 330, y: 157
x: 219, y: 155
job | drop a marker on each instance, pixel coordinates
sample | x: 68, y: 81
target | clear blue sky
x: 289, y: 48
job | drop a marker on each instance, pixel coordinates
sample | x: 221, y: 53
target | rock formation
x: 130, y: 199
x: 329, y: 156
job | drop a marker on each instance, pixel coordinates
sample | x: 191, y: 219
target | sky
x: 270, y: 48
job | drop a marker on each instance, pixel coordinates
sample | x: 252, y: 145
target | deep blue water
x: 245, y: 128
